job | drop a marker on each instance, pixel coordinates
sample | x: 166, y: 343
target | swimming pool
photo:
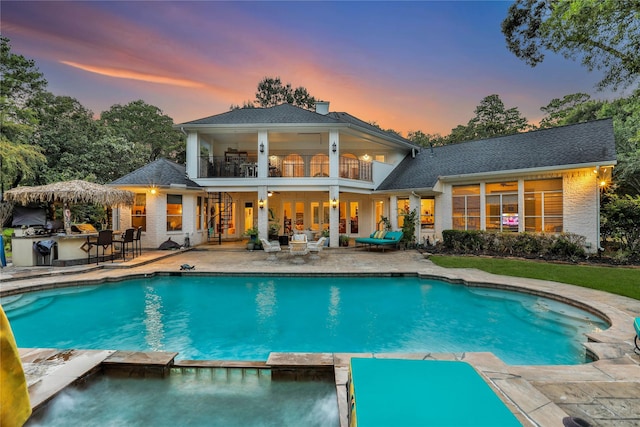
x: 246, y: 318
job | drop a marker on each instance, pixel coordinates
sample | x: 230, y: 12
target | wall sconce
x: 334, y: 147
x: 366, y: 157
x: 261, y: 204
x: 153, y: 190
x: 270, y: 193
x: 262, y: 147
x: 334, y: 203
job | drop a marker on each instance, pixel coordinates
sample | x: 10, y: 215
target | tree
x: 603, y: 34
x: 492, y: 119
x: 625, y: 112
x: 20, y: 95
x: 147, y: 128
x: 425, y: 139
x: 272, y: 92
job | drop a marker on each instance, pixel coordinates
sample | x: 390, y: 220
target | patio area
x: 605, y: 392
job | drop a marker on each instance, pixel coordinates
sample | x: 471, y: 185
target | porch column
x: 263, y: 212
x: 193, y: 155
x: 393, y: 211
x: 334, y: 216
x: 263, y: 154
x: 334, y: 158
x: 414, y: 205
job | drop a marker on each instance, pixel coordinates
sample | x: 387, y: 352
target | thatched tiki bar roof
x: 69, y: 192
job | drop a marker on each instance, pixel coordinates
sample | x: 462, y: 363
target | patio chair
x: 298, y: 247
x: 272, y: 248
x: 126, y: 243
x: 316, y: 247
x: 137, y: 242
x: 104, y: 240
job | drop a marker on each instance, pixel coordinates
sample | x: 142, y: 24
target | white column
x: 393, y: 212
x: 263, y: 157
x: 334, y: 216
x: 263, y: 213
x: 192, y: 157
x: 520, y: 205
x: 334, y: 158
x: 483, y: 206
x: 414, y: 205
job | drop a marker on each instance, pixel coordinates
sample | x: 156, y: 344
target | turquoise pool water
x: 246, y: 318
x: 198, y: 397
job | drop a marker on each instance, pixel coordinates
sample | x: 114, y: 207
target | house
x: 299, y: 170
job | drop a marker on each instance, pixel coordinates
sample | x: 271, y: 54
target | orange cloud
x: 120, y: 73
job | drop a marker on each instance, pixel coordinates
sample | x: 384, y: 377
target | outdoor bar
x: 59, y: 242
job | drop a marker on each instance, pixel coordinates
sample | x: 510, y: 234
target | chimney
x: 322, y: 107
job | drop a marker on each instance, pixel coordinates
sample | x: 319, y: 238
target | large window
x: 427, y: 207
x: 466, y: 207
x: 174, y: 212
x: 543, y: 205
x: 502, y: 206
x: 403, y: 209
x: 139, y: 212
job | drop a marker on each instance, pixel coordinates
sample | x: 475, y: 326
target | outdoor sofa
x: 381, y: 238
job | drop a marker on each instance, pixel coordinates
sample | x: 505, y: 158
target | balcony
x: 289, y: 166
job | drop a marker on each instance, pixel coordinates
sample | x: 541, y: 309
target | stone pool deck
x: 604, y: 393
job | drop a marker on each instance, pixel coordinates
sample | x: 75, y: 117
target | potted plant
x: 344, y: 240
x: 252, y: 233
x: 325, y: 233
x: 274, y: 228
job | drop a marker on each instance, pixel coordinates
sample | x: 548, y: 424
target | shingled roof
x: 290, y: 114
x: 571, y: 145
x: 160, y: 173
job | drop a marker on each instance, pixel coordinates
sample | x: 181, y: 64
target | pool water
x: 246, y: 318
x: 194, y: 397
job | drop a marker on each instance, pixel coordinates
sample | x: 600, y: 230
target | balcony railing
x: 292, y: 165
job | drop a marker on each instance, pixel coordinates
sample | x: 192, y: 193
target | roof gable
x: 583, y: 143
x: 161, y: 172
x: 283, y: 113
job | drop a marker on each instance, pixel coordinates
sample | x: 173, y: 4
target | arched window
x: 349, y: 166
x: 293, y: 165
x: 320, y: 165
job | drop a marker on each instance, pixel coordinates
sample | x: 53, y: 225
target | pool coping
x: 519, y: 384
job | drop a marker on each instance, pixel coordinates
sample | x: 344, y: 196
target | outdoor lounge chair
x: 316, y: 247
x: 298, y: 247
x: 636, y: 325
x: 381, y: 238
x: 272, y: 248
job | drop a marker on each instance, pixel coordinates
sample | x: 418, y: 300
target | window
x: 543, y: 205
x: 501, y: 204
x: 403, y: 209
x: 427, y: 207
x: 293, y: 165
x: 320, y: 165
x: 139, y: 212
x: 174, y: 212
x: 466, y: 207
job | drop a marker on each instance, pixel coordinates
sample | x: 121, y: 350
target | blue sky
x: 408, y: 66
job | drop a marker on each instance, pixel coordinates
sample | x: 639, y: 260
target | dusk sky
x: 404, y: 65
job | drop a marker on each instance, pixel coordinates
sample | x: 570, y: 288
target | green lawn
x: 616, y: 280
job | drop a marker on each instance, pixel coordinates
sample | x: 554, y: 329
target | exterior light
x: 261, y: 204
x: 262, y: 147
x: 153, y: 190
x: 334, y: 147
x: 270, y: 193
x: 365, y: 157
x: 603, y: 183
x: 334, y: 203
